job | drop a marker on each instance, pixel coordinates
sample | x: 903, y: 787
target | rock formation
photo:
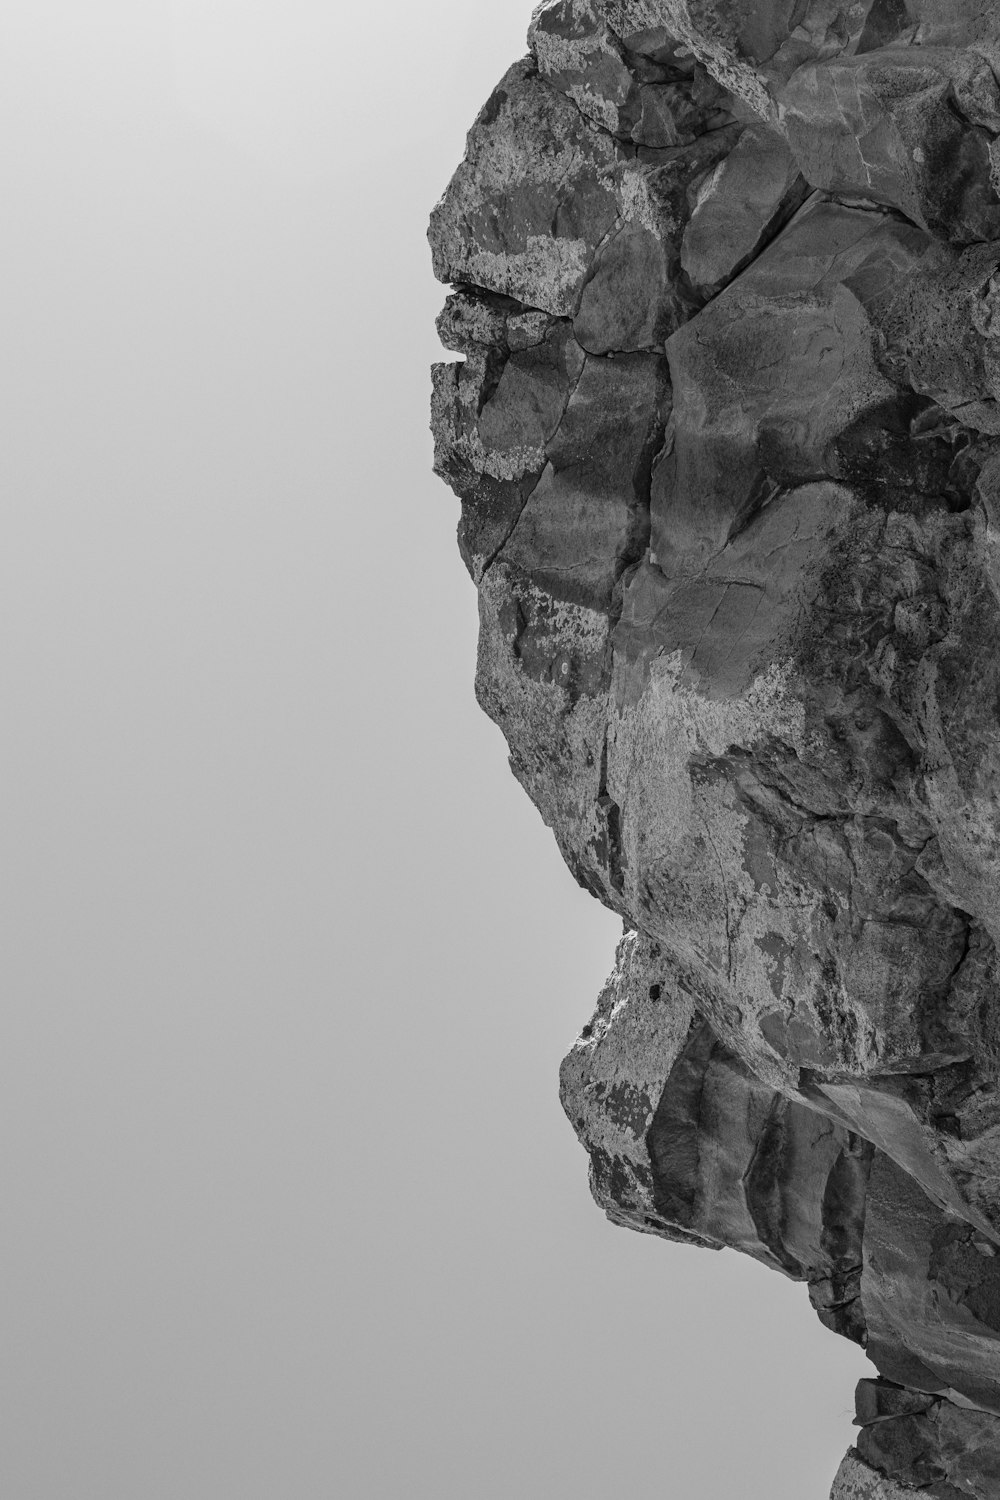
x: 727, y: 439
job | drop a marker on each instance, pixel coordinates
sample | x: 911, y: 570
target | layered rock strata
x: 726, y: 433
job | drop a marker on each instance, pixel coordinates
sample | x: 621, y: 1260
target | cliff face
x: 727, y: 439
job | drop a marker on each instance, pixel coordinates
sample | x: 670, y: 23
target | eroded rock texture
x: 727, y: 439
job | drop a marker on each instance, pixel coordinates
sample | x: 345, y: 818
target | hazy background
x: 288, y: 1208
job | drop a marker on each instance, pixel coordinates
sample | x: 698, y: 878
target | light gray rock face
x: 726, y: 434
x: 856, y: 1481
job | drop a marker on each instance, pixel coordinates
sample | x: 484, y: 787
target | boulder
x: 739, y: 207
x: 665, y: 102
x: 551, y: 210
x: 902, y: 127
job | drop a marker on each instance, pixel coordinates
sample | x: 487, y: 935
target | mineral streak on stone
x: 726, y: 434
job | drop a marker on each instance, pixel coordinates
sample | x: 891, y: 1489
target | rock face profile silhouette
x: 726, y: 434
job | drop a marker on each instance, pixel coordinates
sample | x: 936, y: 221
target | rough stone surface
x: 753, y: 191
x: 907, y: 127
x: 856, y: 1481
x: 726, y: 433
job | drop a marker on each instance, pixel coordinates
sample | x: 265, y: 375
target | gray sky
x: 289, y: 1205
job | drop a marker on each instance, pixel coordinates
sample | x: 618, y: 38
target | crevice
x: 492, y: 557
x: 798, y: 196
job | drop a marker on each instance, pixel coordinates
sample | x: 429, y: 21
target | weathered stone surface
x: 749, y: 47
x: 857, y: 1481
x: 686, y: 1143
x: 587, y: 518
x: 635, y: 293
x: 496, y: 414
x: 939, y: 1447
x: 585, y: 227
x: 525, y: 221
x: 665, y: 102
x: 739, y: 207
x: 613, y: 1080
x: 727, y: 440
x: 767, y: 377
x: 901, y: 126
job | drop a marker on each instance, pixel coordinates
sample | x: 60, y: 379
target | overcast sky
x: 289, y: 1207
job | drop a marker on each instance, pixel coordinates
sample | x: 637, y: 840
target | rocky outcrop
x: 726, y: 433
